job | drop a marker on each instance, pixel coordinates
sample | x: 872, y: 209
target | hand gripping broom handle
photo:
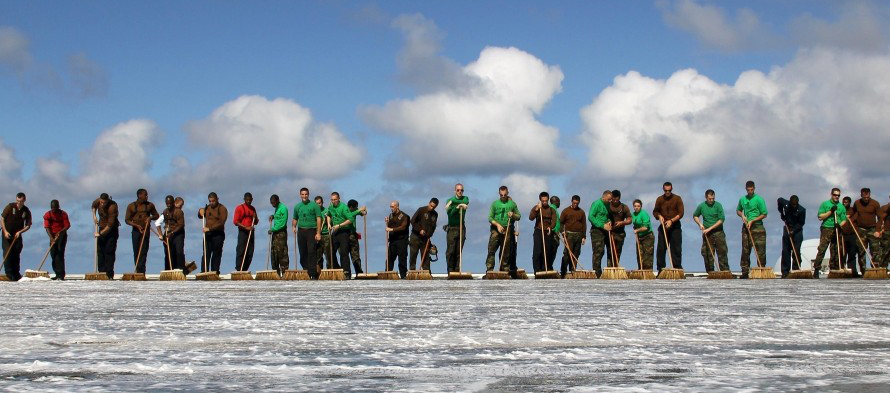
x: 753, y: 246
x: 711, y: 249
x: 142, y: 242
x: 793, y: 249
x: 247, y: 246
x: 666, y: 241
x: 504, y: 247
x: 543, y: 242
x: 871, y: 258
x: 51, y: 244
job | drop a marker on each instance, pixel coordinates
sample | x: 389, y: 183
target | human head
x: 668, y: 188
x: 168, y: 200
x: 319, y: 201
x: 248, y: 198
x: 794, y: 200
x: 213, y: 199
x: 459, y: 190
x: 554, y: 200
x: 352, y: 204
x: 54, y: 205
x: 335, y: 198
x: 103, y: 199
x: 616, y: 197
x: 865, y: 194
x: 749, y: 187
x: 847, y: 200
x: 638, y: 205
x: 607, y: 196
x: 710, y: 195
x: 304, y: 194
x: 543, y: 197
x: 20, y: 199
x: 141, y: 194
x: 503, y: 192
x: 434, y: 202
x: 835, y: 194
x: 394, y: 206
x: 576, y: 200
x: 274, y: 200
x: 179, y: 202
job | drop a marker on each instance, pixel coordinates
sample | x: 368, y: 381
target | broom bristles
x: 644, y: 274
x: 671, y: 274
x: 547, y: 275
x: 96, y: 276
x: 3, y: 277
x: 877, y: 273
x: 267, y: 275
x: 521, y: 274
x: 419, y: 275
x: 296, y: 275
x: 800, y: 274
x: 207, y: 276
x: 388, y: 275
x: 366, y: 276
x: 720, y: 275
x: 614, y: 273
x: 172, y: 275
x: 840, y: 273
x: 36, y: 273
x: 134, y: 277
x: 496, y: 275
x: 460, y: 276
x: 331, y: 275
x: 241, y: 276
x: 761, y: 273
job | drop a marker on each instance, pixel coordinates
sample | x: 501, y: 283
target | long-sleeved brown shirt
x: 867, y: 215
x: 573, y: 220
x: 424, y: 219
x: 546, y: 214
x: 216, y: 217
x: 668, y: 208
x: 107, y: 214
x: 399, y: 224
x: 138, y: 212
x: 618, y: 213
x: 174, y: 219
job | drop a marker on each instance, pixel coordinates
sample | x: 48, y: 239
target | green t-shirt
x: 339, y: 214
x: 305, y: 213
x: 555, y: 213
x: 351, y: 216
x: 640, y: 220
x: 498, y: 211
x: 598, y: 214
x: 279, y: 219
x: 841, y: 213
x: 752, y: 207
x: 324, y: 221
x: 710, y: 214
x: 455, y: 214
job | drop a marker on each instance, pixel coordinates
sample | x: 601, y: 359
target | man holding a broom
x: 669, y: 211
x: 16, y: 220
x: 832, y: 214
x: 107, y: 234
x: 324, y: 246
x: 341, y: 228
x: 709, y: 216
x: 545, y: 220
x: 573, y: 222
x: 868, y: 219
x: 752, y: 210
x: 643, y: 230
x: 600, y: 225
x: 138, y: 214
x: 794, y: 217
x: 556, y: 237
x: 397, y: 225
x: 216, y: 215
x: 56, y: 224
x: 174, y: 236
x: 848, y: 241
x: 502, y: 213
x: 245, y: 219
x: 278, y: 232
x: 423, y: 225
x: 456, y: 234
x: 619, y: 216
x: 307, y: 226
x: 354, y: 249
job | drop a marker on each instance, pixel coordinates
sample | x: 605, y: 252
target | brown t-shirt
x: 16, y: 219
x: 618, y: 214
x: 174, y: 220
x: 668, y: 208
x: 547, y: 214
x: 573, y: 220
x: 216, y: 217
x: 867, y: 215
x: 107, y: 214
x: 424, y: 219
x: 140, y: 211
x: 399, y: 224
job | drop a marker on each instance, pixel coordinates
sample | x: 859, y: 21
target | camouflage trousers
x: 717, y: 241
x: 598, y: 240
x: 759, y: 235
x: 355, y: 252
x: 454, y: 243
x: 419, y: 246
x: 495, y: 243
x: 646, y: 251
x: 875, y: 248
x: 570, y: 252
x: 324, y: 252
x: 618, y: 239
x: 280, y: 259
x: 826, y: 238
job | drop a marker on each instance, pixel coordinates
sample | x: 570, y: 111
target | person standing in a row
x: 138, y: 216
x: 600, y: 226
x: 278, y: 232
x: 56, y: 224
x: 456, y: 235
x: 107, y: 233
x: 16, y: 220
x: 619, y: 217
x: 501, y: 215
x: 423, y: 226
x: 868, y: 218
x: 574, y: 225
x: 794, y: 217
x: 306, y: 224
x: 752, y: 210
x: 245, y: 219
x: 832, y: 213
x: 669, y: 210
x: 710, y: 216
x: 397, y: 226
x: 643, y: 230
x: 545, y: 220
x: 214, y: 231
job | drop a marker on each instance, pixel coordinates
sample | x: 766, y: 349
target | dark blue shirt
x: 794, y: 218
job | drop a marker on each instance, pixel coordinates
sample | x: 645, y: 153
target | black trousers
x: 539, y: 259
x: 13, y: 264
x: 241, y: 248
x: 139, y: 260
x: 308, y: 247
x: 790, y: 256
x: 176, y: 244
x: 215, y: 241
x: 57, y: 253
x: 675, y: 235
x: 851, y: 251
x: 340, y: 244
x: 398, y: 248
x: 108, y: 251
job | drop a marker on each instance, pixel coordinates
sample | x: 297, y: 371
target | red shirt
x: 56, y: 222
x: 245, y: 215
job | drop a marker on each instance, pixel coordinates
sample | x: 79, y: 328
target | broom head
x: 366, y: 276
x: 800, y: 274
x: 758, y: 273
x: 292, y: 275
x: 840, y: 273
x: 671, y: 274
x: 614, y: 273
x: 96, y: 276
x: 331, y: 275
x: 207, y: 276
x: 720, y: 275
x: 172, y: 275
x: 581, y: 275
x: 521, y: 275
x: 4, y: 278
x: 877, y: 273
x: 190, y: 267
x: 641, y: 275
x: 547, y: 275
x: 494, y: 275
x: 36, y: 273
x: 460, y: 276
x: 268, y: 275
x: 388, y: 275
x: 241, y: 276
x: 421, y: 275
x: 134, y: 277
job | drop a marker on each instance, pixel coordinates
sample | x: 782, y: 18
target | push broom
x: 170, y: 274
x: 460, y: 274
x: 268, y: 275
x: 640, y: 274
x: 799, y: 273
x: 241, y: 274
x: 614, y: 272
x: 716, y: 273
x: 388, y: 274
x: 577, y: 273
x: 761, y: 271
x: 3, y: 276
x: 364, y: 235
x: 500, y: 274
x: 423, y: 274
x: 840, y: 272
x: 40, y: 273
x: 331, y: 274
x: 874, y: 272
x: 669, y: 273
x: 96, y: 275
x: 547, y: 274
x: 136, y: 276
x: 207, y: 275
x: 295, y: 274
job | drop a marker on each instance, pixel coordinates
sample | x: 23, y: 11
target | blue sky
x: 72, y: 72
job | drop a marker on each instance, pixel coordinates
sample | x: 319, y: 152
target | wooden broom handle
x: 142, y: 242
x: 667, y: 242
x: 424, y: 253
x: 11, y: 243
x: 871, y: 258
x: 639, y: 251
x: 331, y: 245
x: 386, y: 262
x: 204, y: 237
x: 42, y: 261
x: 793, y: 249
x: 268, y: 254
x: 837, y: 241
x: 711, y: 250
x: 571, y: 254
x: 95, y: 251
x: 753, y: 246
x: 460, y: 244
x: 247, y: 246
x: 504, y: 247
x: 614, y: 251
x: 543, y: 241
x: 365, y: 236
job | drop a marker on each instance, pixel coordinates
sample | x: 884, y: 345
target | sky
x: 400, y: 100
